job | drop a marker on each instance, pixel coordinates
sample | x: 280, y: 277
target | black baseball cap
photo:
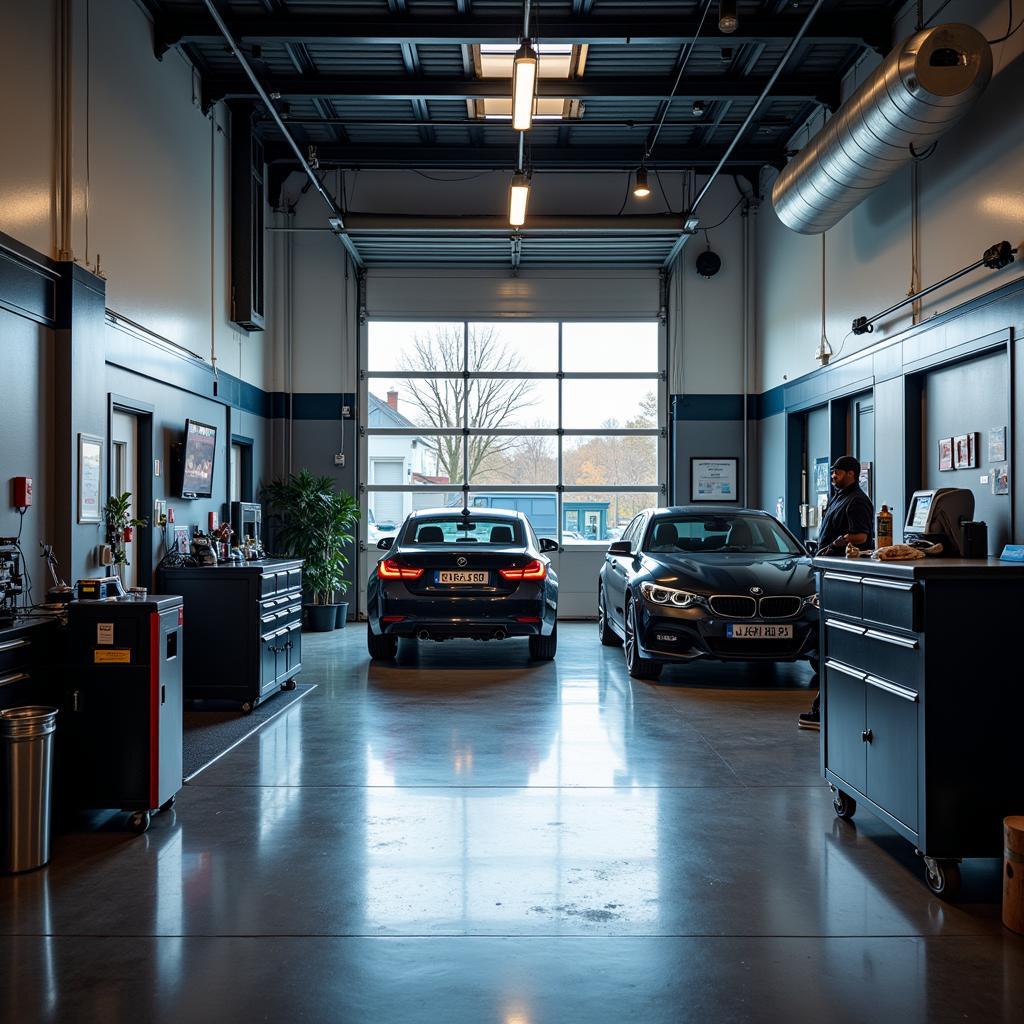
x: 846, y: 464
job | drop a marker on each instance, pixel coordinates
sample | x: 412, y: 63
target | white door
x: 387, y: 505
x: 124, y: 477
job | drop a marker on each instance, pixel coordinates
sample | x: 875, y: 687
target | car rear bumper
x: 692, y: 634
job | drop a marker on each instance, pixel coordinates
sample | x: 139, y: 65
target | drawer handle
x: 894, y: 688
x: 907, y: 588
x: 838, y: 666
x: 842, y: 576
x: 14, y: 645
x: 14, y: 677
x: 867, y: 735
x: 845, y: 627
x: 896, y: 641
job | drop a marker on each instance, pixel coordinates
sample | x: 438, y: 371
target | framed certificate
x: 90, y: 474
x: 714, y: 479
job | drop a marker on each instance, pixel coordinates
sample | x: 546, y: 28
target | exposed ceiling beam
x: 543, y: 158
x: 646, y: 88
x: 866, y: 29
x: 488, y: 224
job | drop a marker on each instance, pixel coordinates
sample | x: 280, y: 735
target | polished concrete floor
x: 466, y: 836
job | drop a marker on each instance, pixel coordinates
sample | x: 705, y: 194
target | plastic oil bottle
x: 883, y: 528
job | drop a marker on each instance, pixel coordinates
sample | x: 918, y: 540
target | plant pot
x: 320, y: 617
x: 342, y: 617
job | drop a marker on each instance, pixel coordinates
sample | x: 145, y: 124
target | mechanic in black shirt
x: 848, y: 519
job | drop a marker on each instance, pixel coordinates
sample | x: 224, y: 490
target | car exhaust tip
x: 423, y: 635
x: 500, y: 634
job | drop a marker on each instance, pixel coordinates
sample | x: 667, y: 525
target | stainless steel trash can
x: 26, y: 769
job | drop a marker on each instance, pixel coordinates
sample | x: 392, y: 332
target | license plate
x: 749, y: 631
x: 462, y: 577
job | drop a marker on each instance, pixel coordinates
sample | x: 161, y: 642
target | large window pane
x: 414, y: 461
x: 416, y: 345
x: 509, y: 347
x: 589, y: 461
x: 527, y: 459
x: 500, y: 403
x: 587, y: 404
x: 429, y: 402
x: 601, y: 518
x: 540, y: 507
x: 610, y: 347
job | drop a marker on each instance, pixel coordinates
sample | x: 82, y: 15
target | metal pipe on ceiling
x: 925, y: 85
x: 337, y: 223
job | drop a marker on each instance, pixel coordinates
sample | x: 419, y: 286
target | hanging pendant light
x: 524, y: 81
x: 518, y: 195
x: 728, y: 21
x: 640, y: 187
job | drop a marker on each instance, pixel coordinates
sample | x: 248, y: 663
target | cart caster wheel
x: 139, y: 822
x: 846, y: 806
x: 167, y: 805
x: 247, y: 707
x: 942, y: 877
x: 290, y: 685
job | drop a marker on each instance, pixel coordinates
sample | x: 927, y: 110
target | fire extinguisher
x: 883, y: 530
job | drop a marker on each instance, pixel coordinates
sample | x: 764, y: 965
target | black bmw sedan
x: 721, y: 583
x: 475, y: 573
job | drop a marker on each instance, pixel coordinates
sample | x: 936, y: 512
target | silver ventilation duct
x: 913, y: 97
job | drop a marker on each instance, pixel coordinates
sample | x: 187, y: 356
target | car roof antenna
x: 465, y: 510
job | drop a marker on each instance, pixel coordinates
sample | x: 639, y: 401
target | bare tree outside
x: 442, y: 402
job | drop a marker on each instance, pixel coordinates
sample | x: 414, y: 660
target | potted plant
x: 315, y: 524
x: 121, y: 526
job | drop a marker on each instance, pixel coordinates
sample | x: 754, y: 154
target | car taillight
x: 535, y: 570
x: 392, y: 569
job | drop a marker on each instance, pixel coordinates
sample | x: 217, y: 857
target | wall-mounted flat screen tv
x: 198, y: 458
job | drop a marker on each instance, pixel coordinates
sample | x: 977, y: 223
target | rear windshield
x: 741, y: 534
x: 458, y: 529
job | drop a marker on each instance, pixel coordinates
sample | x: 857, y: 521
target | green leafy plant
x: 315, y: 523
x: 118, y: 515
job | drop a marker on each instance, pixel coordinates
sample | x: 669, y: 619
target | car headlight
x: 667, y: 596
x: 814, y: 601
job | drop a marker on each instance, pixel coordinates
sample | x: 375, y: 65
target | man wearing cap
x: 848, y: 519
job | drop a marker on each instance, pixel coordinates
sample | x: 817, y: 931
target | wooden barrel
x: 1013, y: 873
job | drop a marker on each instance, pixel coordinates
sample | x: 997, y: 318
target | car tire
x: 605, y: 633
x: 638, y: 666
x: 381, y: 648
x: 542, y: 648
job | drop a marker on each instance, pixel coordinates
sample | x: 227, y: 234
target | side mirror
x: 385, y: 542
x: 620, y: 547
x: 811, y: 545
x: 547, y: 544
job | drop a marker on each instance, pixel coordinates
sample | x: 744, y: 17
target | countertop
x: 922, y: 568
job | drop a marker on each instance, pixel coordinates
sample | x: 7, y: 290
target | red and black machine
x: 122, y: 717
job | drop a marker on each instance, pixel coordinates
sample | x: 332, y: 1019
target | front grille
x: 780, y: 607
x: 725, y: 647
x: 731, y: 607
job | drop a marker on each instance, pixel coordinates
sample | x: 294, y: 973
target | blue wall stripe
x: 707, y: 407
x: 320, y: 406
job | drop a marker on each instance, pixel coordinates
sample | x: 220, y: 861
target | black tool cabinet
x: 27, y: 657
x: 921, y: 701
x: 243, y: 640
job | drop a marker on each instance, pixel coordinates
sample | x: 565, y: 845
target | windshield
x: 459, y: 529
x: 727, y: 532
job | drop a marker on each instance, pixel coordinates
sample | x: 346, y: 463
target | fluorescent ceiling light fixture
x: 640, y: 187
x: 727, y: 19
x: 549, y: 108
x: 524, y: 83
x: 518, y: 194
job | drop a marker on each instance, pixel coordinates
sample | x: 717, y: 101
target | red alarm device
x: 23, y: 492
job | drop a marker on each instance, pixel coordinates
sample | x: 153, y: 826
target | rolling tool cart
x: 123, y: 705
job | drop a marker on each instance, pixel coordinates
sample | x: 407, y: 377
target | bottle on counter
x: 883, y: 528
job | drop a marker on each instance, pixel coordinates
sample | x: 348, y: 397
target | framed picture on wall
x: 821, y: 476
x: 945, y: 453
x: 964, y: 450
x: 90, y: 476
x: 714, y: 479
x: 1000, y: 475
x: 997, y: 444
